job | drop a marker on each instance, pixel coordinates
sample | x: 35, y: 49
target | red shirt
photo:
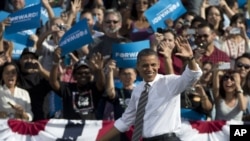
x: 177, y: 65
x: 216, y: 57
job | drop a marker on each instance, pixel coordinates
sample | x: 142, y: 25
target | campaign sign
x: 241, y: 3
x: 22, y: 37
x: 163, y: 10
x: 44, y: 14
x: 78, y: 36
x: 17, y: 51
x: 125, y: 54
x: 3, y: 15
x: 31, y: 2
x: 27, y: 18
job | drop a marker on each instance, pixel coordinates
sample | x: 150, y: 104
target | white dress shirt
x: 162, y: 112
x: 20, y: 97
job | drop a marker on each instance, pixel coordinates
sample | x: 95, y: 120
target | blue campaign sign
x: 3, y: 15
x: 27, y: 18
x: 163, y: 10
x: 125, y: 54
x: 31, y: 2
x: 21, y: 37
x: 44, y: 14
x: 17, y: 51
x: 78, y: 36
x: 241, y: 3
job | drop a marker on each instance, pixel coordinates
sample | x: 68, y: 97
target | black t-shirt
x: 38, y: 88
x: 77, y: 103
x: 191, y: 103
x: 121, y: 101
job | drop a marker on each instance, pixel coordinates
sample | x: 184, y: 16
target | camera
x: 62, y: 27
x: 30, y: 65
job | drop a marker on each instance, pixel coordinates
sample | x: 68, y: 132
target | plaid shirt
x: 216, y: 57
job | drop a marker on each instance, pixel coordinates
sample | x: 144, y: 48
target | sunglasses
x: 227, y: 77
x: 111, y: 21
x: 240, y: 65
x: 201, y: 36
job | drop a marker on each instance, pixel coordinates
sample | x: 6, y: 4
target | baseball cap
x: 29, y: 50
x: 80, y: 63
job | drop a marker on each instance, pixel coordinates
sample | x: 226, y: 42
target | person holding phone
x: 14, y: 101
x: 237, y: 41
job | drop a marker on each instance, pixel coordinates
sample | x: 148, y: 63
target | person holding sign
x: 48, y: 41
x: 80, y: 99
x: 161, y: 119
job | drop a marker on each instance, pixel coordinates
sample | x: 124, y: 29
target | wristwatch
x: 239, y: 91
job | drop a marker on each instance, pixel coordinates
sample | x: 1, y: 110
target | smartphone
x: 234, y: 31
x: 28, y: 65
x: 214, y: 2
x: 191, y: 31
x: 224, y: 66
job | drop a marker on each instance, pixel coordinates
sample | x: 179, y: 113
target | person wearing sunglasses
x: 111, y: 25
x: 229, y: 98
x: 242, y: 66
x: 207, y: 50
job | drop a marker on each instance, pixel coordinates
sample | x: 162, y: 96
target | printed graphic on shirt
x: 124, y: 102
x: 83, y: 102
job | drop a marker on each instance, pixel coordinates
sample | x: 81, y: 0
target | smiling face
x: 205, y: 37
x: 148, y: 66
x: 229, y: 84
x: 82, y: 75
x: 112, y: 23
x: 9, y: 75
x: 242, y: 66
x: 214, y: 16
x: 127, y: 76
x: 169, y: 38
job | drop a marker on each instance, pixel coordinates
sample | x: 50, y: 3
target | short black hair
x: 146, y: 52
x: 206, y: 24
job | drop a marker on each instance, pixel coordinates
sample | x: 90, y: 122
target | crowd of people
x: 197, y: 67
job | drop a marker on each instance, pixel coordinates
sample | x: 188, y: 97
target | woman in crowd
x: 214, y: 16
x: 139, y: 28
x: 98, y: 13
x: 229, y: 98
x: 237, y: 41
x: 164, y: 44
x: 14, y: 101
